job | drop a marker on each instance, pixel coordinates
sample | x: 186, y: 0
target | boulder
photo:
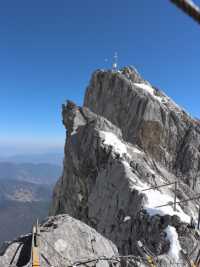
x: 63, y: 242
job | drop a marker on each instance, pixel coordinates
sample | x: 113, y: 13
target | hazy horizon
x: 17, y: 150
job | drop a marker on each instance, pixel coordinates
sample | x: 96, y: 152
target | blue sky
x: 48, y: 50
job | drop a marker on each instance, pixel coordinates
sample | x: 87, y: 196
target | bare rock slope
x: 128, y: 137
x: 64, y: 241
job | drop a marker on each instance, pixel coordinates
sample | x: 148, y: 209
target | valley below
x: 25, y: 196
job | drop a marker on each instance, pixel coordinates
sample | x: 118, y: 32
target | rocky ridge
x: 128, y: 136
x: 63, y: 242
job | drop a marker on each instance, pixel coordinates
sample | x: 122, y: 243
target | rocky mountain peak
x: 127, y: 133
x: 131, y: 73
x: 71, y: 116
x: 128, y: 141
x: 147, y: 117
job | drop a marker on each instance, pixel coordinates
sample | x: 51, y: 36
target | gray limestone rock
x: 63, y: 242
x: 148, y: 118
x: 128, y: 134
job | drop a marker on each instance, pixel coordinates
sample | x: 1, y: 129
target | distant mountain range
x: 21, y: 203
x: 42, y: 173
x: 26, y: 191
x: 17, y: 218
x: 51, y: 158
x: 20, y: 191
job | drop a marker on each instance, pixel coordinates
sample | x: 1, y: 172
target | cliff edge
x: 128, y: 137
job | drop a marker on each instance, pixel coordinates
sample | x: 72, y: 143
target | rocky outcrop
x: 129, y: 136
x: 63, y: 242
x: 148, y: 118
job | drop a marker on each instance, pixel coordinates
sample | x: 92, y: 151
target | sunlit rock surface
x: 127, y: 137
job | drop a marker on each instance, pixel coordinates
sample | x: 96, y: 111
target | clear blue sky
x: 48, y: 50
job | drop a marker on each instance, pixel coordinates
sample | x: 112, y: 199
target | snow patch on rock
x: 174, y: 242
x: 151, y: 90
x: 162, y: 99
x: 127, y: 218
x: 156, y: 198
x: 111, y: 139
x: 145, y: 87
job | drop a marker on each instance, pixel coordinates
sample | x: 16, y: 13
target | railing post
x: 35, y: 254
x: 175, y: 191
x: 198, y: 219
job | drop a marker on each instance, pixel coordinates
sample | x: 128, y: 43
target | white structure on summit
x: 115, y: 62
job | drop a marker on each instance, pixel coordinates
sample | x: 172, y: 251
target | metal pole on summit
x: 198, y: 219
x: 115, y: 62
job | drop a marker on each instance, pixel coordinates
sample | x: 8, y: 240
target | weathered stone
x: 99, y: 183
x: 151, y: 120
x: 129, y: 136
x: 63, y: 241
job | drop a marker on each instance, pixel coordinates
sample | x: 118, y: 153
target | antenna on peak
x: 115, y: 62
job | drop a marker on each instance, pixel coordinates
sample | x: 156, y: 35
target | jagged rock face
x: 96, y: 185
x: 128, y: 137
x: 127, y: 134
x: 63, y: 242
x: 149, y: 119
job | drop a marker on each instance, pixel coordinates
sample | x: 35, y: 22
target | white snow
x: 135, y: 150
x: 157, y: 198
x: 150, y: 90
x: 162, y: 99
x: 118, y: 146
x: 174, y: 243
x: 145, y: 87
x: 111, y: 139
x: 127, y: 218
